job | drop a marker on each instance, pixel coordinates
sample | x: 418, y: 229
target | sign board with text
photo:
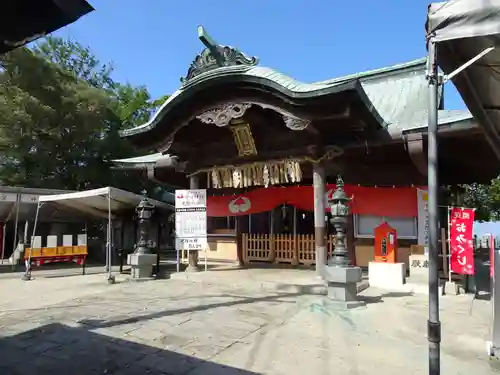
x: 191, y: 219
x: 462, y: 240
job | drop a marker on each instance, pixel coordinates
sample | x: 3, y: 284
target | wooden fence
x: 282, y: 248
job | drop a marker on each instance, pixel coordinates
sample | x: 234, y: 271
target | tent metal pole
x: 479, y: 56
x: 27, y: 273
x: 111, y: 279
x: 26, y: 230
x: 15, y: 241
x: 433, y: 323
x: 4, y: 232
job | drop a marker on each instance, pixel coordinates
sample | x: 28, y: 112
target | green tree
x: 132, y: 105
x: 60, y: 113
x: 50, y: 123
x: 484, y: 198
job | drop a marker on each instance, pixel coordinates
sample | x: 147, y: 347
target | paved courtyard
x: 227, y: 322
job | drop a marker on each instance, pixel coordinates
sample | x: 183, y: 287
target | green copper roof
x: 395, y: 92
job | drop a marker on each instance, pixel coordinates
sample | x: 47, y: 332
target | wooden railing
x: 282, y: 248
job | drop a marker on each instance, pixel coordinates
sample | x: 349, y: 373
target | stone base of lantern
x: 141, y: 265
x: 342, y: 286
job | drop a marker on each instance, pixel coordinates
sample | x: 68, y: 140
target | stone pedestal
x: 342, y: 285
x: 142, y: 265
x: 386, y: 275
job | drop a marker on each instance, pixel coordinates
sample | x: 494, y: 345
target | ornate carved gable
x: 215, y: 56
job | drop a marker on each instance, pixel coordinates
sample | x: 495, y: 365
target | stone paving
x: 227, y: 322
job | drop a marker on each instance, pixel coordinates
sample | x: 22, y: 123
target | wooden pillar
x: 319, y: 217
x: 239, y: 240
x: 194, y: 183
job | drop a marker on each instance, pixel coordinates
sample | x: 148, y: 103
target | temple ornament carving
x: 295, y: 123
x: 216, y: 56
x: 292, y: 122
x: 221, y: 116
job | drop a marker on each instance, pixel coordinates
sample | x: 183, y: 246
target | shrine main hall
x: 264, y: 145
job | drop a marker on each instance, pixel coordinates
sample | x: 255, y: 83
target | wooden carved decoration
x: 222, y: 115
x: 295, y: 123
x: 243, y: 138
x: 292, y: 122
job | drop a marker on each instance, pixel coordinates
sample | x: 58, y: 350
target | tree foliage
x: 485, y: 199
x: 60, y: 113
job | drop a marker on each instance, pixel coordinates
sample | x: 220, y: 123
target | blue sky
x: 152, y: 42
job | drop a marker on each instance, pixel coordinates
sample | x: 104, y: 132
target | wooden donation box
x: 385, y: 244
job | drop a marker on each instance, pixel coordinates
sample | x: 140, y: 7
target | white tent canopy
x: 462, y: 30
x: 458, y: 19
x: 101, y: 202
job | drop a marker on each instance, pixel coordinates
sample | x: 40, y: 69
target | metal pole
x: 495, y: 339
x: 26, y: 230
x: 178, y: 261
x: 15, y: 242
x: 319, y: 217
x: 433, y: 323
x: 27, y: 274
x: 110, y: 264
x: 4, y: 232
x: 106, y: 267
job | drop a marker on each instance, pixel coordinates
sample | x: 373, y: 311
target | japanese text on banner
x: 461, y: 240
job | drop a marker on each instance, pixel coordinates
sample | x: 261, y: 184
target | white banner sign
x: 191, y: 219
x: 423, y: 218
x: 8, y: 197
x: 29, y: 198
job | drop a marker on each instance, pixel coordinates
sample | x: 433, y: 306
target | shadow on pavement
x: 240, y: 301
x: 60, y: 349
x: 380, y: 298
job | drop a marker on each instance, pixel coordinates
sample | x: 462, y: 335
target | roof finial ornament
x: 211, y: 44
x: 216, y: 56
x: 340, y: 181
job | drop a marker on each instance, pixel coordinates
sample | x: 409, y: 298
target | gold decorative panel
x: 243, y: 138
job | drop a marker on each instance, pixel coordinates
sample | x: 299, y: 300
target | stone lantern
x: 144, y: 211
x: 143, y: 260
x: 339, y: 209
x: 342, y: 278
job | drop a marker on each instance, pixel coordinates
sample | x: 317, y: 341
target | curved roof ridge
x: 377, y: 72
x: 270, y: 74
x: 379, y: 99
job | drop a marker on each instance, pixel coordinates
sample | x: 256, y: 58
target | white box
x: 67, y: 240
x: 51, y: 241
x: 386, y: 275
